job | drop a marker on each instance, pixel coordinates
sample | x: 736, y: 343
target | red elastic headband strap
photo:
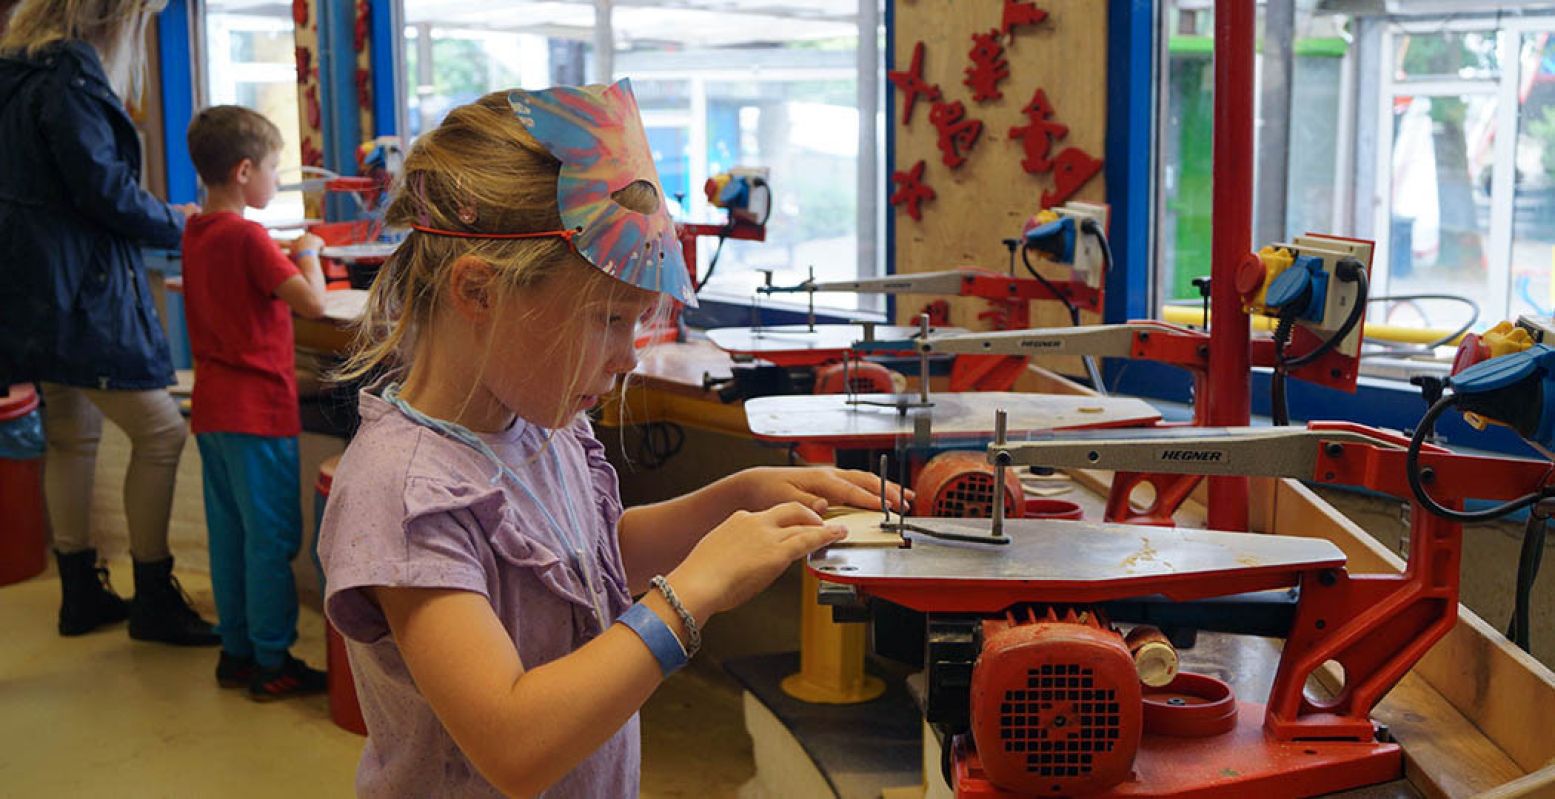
x: 565, y: 235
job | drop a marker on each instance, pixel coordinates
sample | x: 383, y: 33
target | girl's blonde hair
x: 116, y: 28
x: 479, y: 171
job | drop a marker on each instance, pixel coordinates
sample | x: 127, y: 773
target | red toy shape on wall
x: 1038, y: 134
x: 989, y: 66
x: 1072, y: 169
x: 304, y: 65
x: 957, y: 133
x: 364, y: 25
x: 1019, y: 15
x: 912, y: 85
x: 911, y: 191
x: 300, y: 13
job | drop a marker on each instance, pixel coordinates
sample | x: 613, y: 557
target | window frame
x: 873, y: 259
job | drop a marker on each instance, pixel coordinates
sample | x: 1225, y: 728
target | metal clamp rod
x: 1000, y: 463
x: 923, y: 361
x: 811, y: 297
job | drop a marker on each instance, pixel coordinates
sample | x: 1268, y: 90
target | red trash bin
x: 24, y: 536
x: 343, y: 707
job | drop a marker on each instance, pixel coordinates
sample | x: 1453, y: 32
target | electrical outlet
x: 1338, y: 297
x: 1089, y: 265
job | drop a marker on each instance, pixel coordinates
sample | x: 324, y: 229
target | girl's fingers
x: 863, y: 489
x: 792, y: 514
x: 808, y: 539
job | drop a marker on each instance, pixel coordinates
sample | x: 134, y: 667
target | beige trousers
x: 73, y: 426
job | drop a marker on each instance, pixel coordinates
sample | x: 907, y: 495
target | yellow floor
x: 102, y: 715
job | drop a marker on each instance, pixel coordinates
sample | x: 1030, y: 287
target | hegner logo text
x: 1213, y: 456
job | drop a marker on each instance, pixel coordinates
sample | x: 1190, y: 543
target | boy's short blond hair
x: 221, y: 136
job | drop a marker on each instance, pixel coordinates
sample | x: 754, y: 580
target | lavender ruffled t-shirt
x: 411, y: 507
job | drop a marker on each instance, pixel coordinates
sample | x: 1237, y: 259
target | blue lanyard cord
x: 581, y: 560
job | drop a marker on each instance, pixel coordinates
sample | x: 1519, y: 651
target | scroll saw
x: 1056, y: 234
x: 1289, y: 281
x: 1035, y: 688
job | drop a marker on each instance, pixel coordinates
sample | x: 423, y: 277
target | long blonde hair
x: 480, y: 171
x: 115, y: 28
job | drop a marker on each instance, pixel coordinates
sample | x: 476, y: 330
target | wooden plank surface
x: 333, y: 333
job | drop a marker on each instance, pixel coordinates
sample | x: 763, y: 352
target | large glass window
x: 250, y: 58
x: 1533, y: 201
x: 1467, y: 190
x: 749, y: 84
x: 1314, y: 186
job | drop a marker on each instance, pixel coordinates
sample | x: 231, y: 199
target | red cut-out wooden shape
x: 300, y: 13
x: 1038, y: 134
x: 1071, y: 170
x: 912, y: 85
x: 311, y: 100
x: 989, y: 66
x: 957, y: 134
x: 364, y: 88
x: 311, y: 155
x: 1018, y: 14
x: 304, y: 64
x: 364, y: 25
x: 911, y: 191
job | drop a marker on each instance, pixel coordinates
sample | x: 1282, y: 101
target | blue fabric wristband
x: 661, y: 640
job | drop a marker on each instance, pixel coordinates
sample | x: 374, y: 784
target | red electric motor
x: 959, y: 485
x: 1056, y: 704
x: 857, y: 377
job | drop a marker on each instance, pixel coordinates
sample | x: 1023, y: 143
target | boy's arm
x: 304, y: 292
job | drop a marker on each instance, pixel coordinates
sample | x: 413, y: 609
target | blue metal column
x: 337, y: 89
x: 387, y: 96
x: 176, y: 73
x: 1130, y: 88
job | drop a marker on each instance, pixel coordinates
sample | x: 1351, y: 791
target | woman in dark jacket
x: 76, y: 313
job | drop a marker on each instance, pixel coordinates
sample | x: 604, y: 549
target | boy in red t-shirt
x: 240, y: 292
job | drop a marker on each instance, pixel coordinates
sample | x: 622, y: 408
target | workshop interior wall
x: 990, y: 196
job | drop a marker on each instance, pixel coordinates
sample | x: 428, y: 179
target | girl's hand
x: 745, y: 553
x: 817, y: 488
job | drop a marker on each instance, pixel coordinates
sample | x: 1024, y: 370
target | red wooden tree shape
x: 989, y: 66
x: 1018, y: 14
x: 957, y: 134
x: 1072, y: 169
x: 1038, y: 134
x: 911, y: 191
x: 912, y: 85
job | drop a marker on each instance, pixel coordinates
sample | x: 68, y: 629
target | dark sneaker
x: 293, y: 678
x: 233, y: 671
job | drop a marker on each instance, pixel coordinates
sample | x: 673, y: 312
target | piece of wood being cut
x: 863, y: 528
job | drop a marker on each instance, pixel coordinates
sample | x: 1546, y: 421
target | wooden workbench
x: 333, y: 333
x: 667, y: 386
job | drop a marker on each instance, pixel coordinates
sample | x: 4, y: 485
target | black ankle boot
x: 161, y: 611
x: 88, y: 600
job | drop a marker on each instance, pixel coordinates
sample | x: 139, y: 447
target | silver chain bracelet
x: 692, y: 631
